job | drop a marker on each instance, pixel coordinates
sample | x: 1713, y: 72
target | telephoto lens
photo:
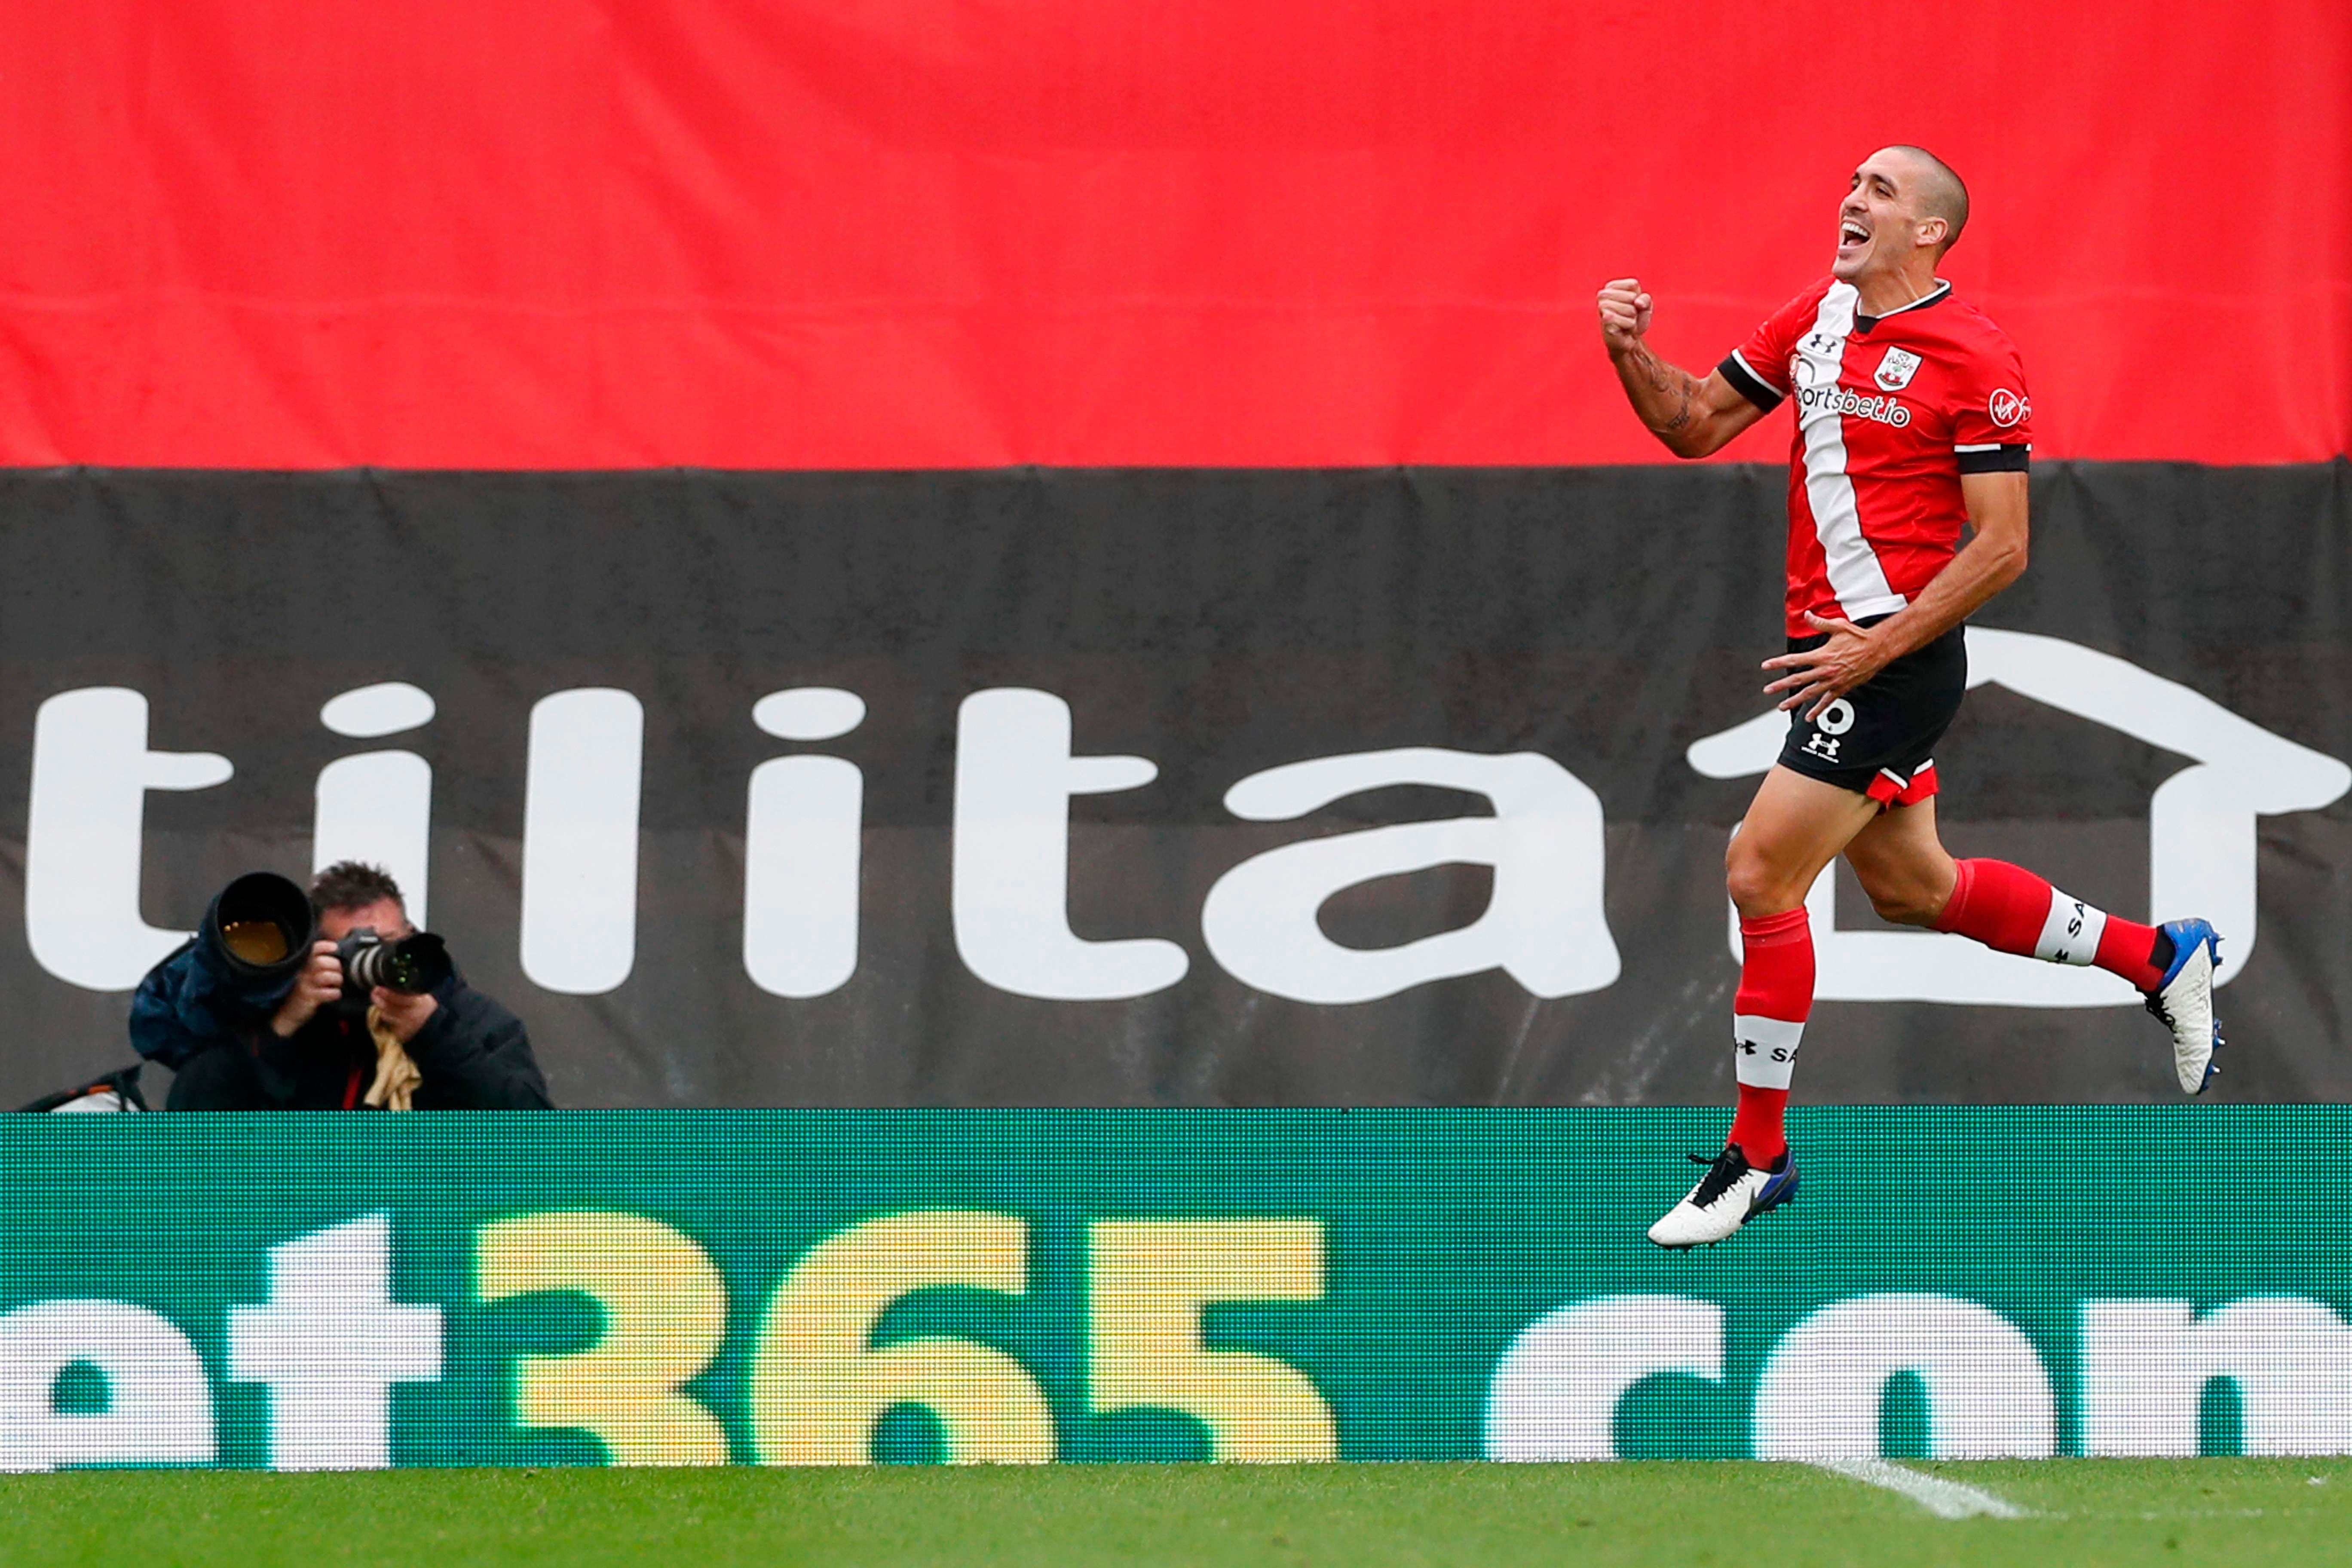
x: 260, y: 927
x: 413, y: 964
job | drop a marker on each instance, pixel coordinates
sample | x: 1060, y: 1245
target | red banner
x: 787, y: 234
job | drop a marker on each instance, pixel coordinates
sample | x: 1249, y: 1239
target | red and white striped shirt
x: 1891, y: 411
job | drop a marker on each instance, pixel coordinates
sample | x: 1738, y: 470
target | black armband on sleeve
x: 1995, y: 460
x: 1746, y: 382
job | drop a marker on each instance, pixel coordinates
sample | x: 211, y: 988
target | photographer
x: 324, y: 1048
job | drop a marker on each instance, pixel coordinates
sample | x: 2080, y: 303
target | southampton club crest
x: 1896, y: 370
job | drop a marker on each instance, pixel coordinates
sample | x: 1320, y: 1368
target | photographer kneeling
x: 425, y: 1040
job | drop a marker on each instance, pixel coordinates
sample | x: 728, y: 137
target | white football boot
x: 2183, y: 1003
x: 1732, y: 1192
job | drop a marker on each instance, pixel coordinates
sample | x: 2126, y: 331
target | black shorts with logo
x: 1879, y: 739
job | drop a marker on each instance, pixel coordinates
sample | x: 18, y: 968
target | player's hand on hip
x: 1820, y: 676
x: 1625, y: 315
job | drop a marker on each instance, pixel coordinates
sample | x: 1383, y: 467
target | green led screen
x: 832, y: 1287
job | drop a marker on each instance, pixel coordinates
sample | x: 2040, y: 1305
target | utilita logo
x: 1016, y: 771
x: 1838, y: 400
x: 1019, y: 762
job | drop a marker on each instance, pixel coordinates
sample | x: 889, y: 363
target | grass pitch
x: 2228, y: 1512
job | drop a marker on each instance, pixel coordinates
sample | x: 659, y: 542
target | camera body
x: 410, y: 965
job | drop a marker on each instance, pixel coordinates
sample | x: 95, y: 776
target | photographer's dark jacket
x: 473, y: 1053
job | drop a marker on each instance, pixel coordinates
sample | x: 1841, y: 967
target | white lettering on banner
x: 1989, y: 1396
x: 330, y: 1344
x: 585, y: 770
x: 83, y: 835
x: 1015, y: 777
x: 1556, y: 1390
x: 377, y: 808
x: 159, y: 1407
x: 803, y: 843
x: 2202, y: 850
x: 1015, y: 774
x: 1544, y: 925
x: 2146, y: 1365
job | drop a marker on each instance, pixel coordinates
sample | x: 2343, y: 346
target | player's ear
x: 1931, y: 231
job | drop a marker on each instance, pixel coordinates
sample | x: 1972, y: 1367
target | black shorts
x: 1879, y: 739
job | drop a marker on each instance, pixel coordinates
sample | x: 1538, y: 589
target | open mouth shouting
x: 1854, y: 239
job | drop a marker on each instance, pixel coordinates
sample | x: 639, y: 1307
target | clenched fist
x: 1625, y: 315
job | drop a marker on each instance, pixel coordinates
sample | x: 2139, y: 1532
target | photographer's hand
x: 403, y: 1013
x: 321, y: 981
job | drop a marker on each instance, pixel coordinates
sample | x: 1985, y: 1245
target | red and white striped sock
x: 1776, y: 997
x: 2010, y: 909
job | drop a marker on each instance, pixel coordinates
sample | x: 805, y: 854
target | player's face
x: 1877, y: 222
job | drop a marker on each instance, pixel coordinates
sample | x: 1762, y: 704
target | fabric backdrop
x: 1211, y: 386
x: 1218, y: 624
x: 791, y: 233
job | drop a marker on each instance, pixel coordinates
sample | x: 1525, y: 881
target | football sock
x: 2010, y: 909
x: 1776, y: 995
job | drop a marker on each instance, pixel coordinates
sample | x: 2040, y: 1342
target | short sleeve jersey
x: 1891, y: 411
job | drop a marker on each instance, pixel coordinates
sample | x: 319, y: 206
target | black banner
x: 1149, y: 787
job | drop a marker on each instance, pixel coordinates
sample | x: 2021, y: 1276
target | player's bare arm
x: 1692, y: 416
x: 1988, y: 564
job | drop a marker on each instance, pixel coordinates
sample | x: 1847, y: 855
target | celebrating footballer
x: 1911, y: 419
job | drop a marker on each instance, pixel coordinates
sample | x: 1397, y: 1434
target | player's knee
x: 1756, y: 886
x: 1899, y: 898
x: 1906, y: 906
x: 1905, y: 889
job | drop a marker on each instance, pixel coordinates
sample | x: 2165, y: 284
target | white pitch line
x: 1945, y: 1500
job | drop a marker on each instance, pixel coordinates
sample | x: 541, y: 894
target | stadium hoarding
x: 837, y: 1287
x: 1175, y: 787
x: 1243, y: 233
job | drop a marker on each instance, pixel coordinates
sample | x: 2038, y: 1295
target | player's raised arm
x: 1691, y: 416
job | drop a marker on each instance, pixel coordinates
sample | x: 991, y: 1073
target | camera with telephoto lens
x: 412, y: 964
x: 256, y: 935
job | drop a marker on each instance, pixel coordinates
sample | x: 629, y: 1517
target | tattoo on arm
x: 1676, y: 390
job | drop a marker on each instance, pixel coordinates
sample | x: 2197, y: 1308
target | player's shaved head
x: 1941, y: 193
